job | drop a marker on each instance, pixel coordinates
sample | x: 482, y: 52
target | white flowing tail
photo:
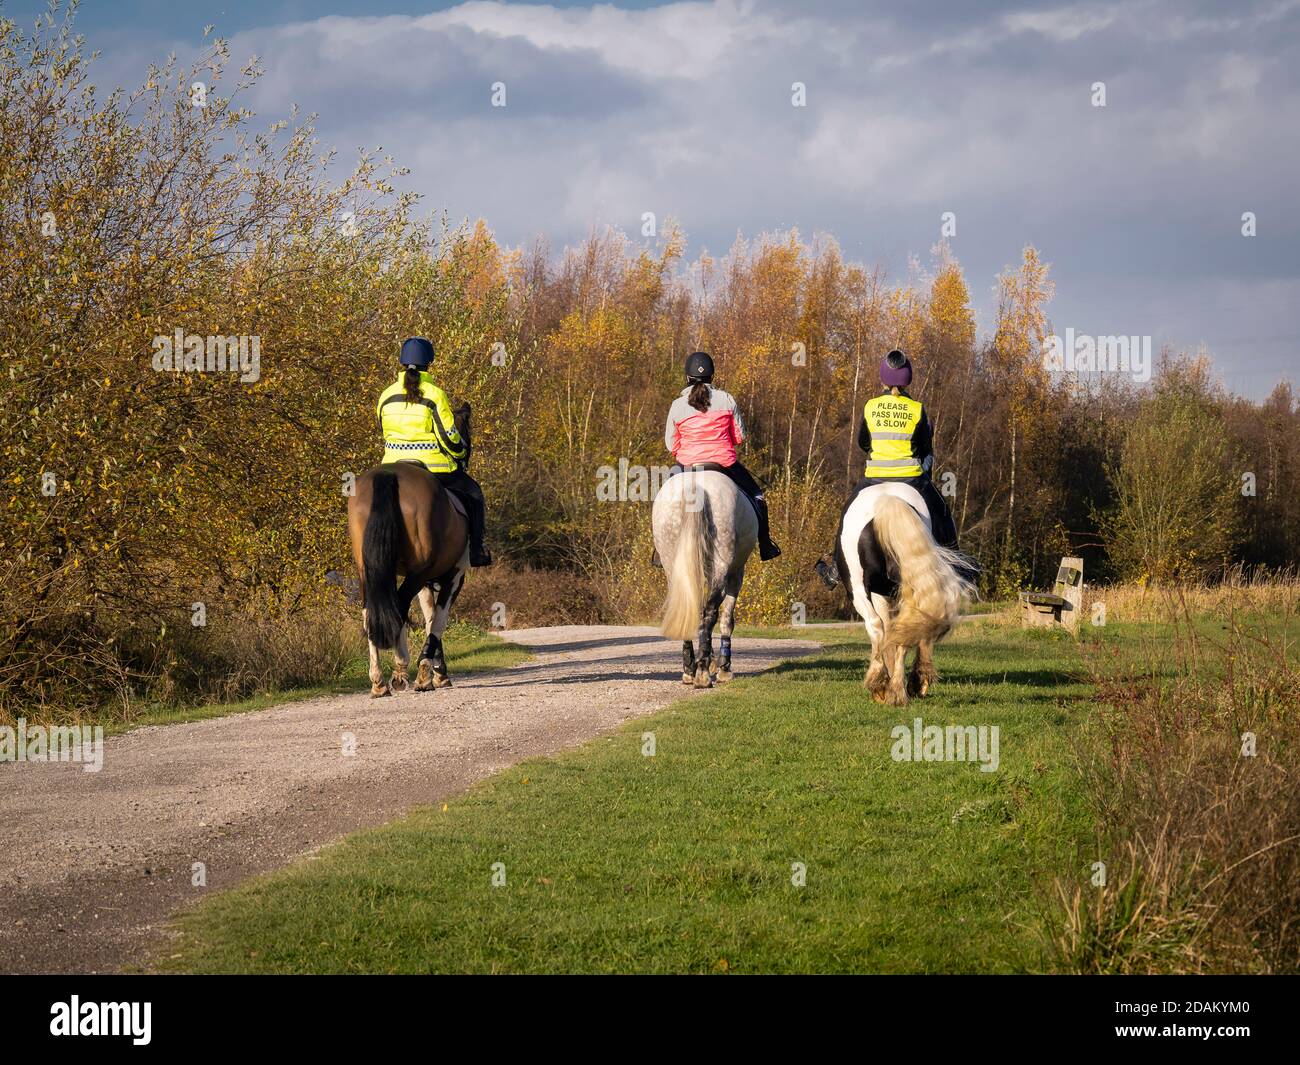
x: 689, y: 569
x: 932, y: 584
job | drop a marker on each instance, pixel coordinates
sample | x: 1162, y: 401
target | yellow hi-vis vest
x: 892, y: 420
x: 425, y: 430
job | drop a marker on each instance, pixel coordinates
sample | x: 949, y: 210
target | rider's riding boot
x: 829, y: 572
x: 767, y: 547
x: 478, y: 554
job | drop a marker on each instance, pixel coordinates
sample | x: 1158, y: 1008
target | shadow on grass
x: 840, y: 665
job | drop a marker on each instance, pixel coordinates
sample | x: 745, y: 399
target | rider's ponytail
x: 411, y: 382
x: 699, y: 397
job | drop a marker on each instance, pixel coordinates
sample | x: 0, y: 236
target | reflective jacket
x: 424, y: 430
x: 711, y: 435
x: 895, y: 434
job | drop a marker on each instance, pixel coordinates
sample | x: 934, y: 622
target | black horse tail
x: 384, y: 614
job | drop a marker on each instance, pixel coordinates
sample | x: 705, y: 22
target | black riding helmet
x: 699, y: 367
x: 417, y: 351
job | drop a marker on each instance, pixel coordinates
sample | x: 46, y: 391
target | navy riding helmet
x: 699, y: 367
x: 417, y: 352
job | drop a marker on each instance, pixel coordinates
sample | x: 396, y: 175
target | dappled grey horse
x: 704, y: 530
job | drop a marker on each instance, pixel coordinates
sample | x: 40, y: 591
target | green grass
x: 989, y: 606
x: 682, y: 862
x: 469, y: 649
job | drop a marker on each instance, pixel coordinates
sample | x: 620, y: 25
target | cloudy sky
x: 913, y: 109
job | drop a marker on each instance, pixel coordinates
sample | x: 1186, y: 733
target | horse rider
x: 703, y: 430
x: 418, y: 426
x: 896, y: 435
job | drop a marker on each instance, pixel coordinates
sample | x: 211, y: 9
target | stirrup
x: 829, y: 573
x: 768, y: 551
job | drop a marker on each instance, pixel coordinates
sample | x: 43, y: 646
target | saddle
x: 459, y: 505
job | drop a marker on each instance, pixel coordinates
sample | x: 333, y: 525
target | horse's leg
x: 708, y: 618
x: 401, y: 662
x: 377, y: 685
x: 895, y: 655
x: 447, y: 593
x: 923, y: 676
x: 424, y: 676
x: 688, y: 662
x: 877, y: 673
x: 726, y: 623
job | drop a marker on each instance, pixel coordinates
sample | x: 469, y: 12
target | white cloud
x: 683, y: 40
x: 1062, y: 24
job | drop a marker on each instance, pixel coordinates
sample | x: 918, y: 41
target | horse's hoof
x: 724, y: 675
x: 919, y: 684
x: 399, y: 683
x: 688, y: 678
x: 378, y: 691
x: 703, y: 679
x: 895, y: 698
x: 441, y: 680
x: 877, y: 687
x: 424, y: 677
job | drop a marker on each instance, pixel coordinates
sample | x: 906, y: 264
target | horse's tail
x: 691, y: 566
x: 379, y: 546
x: 933, y: 579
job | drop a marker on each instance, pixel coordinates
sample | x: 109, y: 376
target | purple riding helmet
x: 895, y: 371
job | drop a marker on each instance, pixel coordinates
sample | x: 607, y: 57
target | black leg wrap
x: 433, y: 652
x: 709, y: 619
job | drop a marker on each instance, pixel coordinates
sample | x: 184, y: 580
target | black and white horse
x: 705, y: 530
x: 905, y: 587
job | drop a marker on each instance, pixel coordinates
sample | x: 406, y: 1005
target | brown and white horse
x: 403, y: 522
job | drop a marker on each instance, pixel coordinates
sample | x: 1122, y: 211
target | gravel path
x: 94, y: 864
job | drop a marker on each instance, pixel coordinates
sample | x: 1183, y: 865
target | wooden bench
x: 1063, y: 604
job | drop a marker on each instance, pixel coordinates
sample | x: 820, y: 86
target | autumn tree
x: 1176, y: 491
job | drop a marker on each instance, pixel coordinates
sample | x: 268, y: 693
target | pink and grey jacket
x: 704, y: 436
